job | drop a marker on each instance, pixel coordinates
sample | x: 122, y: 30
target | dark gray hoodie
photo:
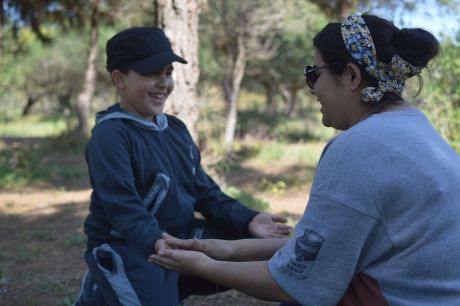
x: 147, y: 178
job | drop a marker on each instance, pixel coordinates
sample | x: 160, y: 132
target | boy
x: 146, y: 178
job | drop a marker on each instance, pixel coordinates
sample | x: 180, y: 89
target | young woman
x: 382, y: 222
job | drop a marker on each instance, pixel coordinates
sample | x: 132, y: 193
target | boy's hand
x: 265, y: 225
x: 189, y: 263
x: 214, y: 248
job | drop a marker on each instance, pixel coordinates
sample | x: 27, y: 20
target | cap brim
x: 155, y: 62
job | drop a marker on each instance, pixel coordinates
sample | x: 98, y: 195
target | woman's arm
x: 233, y: 250
x: 252, y: 278
x: 255, y: 249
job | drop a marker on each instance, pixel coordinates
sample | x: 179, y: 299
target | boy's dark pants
x: 119, y: 275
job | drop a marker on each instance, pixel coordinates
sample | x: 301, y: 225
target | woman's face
x: 332, y: 92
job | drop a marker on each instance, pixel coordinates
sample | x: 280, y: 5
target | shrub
x: 246, y: 198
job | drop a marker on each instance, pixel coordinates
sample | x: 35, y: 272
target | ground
x: 42, y: 237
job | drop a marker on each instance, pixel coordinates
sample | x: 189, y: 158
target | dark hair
x: 416, y: 46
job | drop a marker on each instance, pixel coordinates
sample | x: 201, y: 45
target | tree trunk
x: 232, y: 114
x: 270, y: 106
x: 2, y: 24
x: 290, y: 99
x: 232, y: 86
x: 292, y: 105
x: 179, y: 19
x: 64, y: 101
x: 30, y: 102
x: 83, y: 106
x: 286, y: 94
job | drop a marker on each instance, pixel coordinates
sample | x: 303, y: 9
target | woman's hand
x: 190, y: 263
x: 214, y: 248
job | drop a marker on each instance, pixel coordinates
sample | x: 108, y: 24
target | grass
x: 306, y: 154
x: 32, y: 126
x: 246, y: 198
x: 50, y: 160
x: 41, y: 252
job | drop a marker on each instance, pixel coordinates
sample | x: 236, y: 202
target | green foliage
x: 306, y: 154
x: 43, y: 163
x: 211, y: 121
x: 302, y: 21
x: 41, y: 71
x: 441, y: 93
x: 246, y: 198
x: 209, y: 67
x: 68, y: 300
x: 304, y: 127
x: 75, y: 240
x: 35, y: 125
x: 276, y: 187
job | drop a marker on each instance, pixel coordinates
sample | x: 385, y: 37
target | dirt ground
x: 43, y: 242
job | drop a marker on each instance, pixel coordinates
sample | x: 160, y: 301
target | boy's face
x: 144, y: 95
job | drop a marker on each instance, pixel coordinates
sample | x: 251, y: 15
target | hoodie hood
x: 116, y: 112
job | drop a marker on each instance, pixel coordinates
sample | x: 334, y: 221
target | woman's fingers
x: 164, y: 262
x: 185, y: 244
x: 178, y: 260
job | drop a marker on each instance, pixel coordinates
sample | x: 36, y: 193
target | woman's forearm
x: 252, y: 278
x: 255, y: 249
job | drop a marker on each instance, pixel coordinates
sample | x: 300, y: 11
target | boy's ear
x: 354, y: 76
x: 118, y: 78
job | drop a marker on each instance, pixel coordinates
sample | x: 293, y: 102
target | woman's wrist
x: 208, y: 268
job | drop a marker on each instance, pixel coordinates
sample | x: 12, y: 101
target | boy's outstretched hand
x: 265, y: 225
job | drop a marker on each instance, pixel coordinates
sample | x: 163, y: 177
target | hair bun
x: 415, y: 45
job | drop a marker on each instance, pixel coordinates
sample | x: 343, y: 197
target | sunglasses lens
x: 310, y: 76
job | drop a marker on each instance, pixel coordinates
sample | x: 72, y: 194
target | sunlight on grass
x: 32, y: 126
x: 303, y: 154
x: 245, y: 197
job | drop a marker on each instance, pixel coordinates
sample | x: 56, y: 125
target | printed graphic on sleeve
x: 307, y: 248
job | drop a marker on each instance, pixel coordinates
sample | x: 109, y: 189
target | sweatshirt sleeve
x: 109, y: 161
x: 218, y: 208
x: 330, y: 246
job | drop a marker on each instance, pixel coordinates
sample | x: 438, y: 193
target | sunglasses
x: 310, y: 73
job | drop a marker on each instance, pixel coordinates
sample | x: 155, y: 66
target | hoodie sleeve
x: 218, y: 208
x: 109, y: 161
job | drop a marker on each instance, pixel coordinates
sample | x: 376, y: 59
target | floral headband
x: 391, y: 77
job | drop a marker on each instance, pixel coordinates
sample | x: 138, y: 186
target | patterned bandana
x: 391, y: 77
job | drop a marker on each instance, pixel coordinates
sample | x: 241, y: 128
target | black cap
x: 142, y: 49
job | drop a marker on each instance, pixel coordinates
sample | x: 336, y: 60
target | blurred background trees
x: 244, y: 77
x: 242, y: 95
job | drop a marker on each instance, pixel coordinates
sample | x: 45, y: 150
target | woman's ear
x: 353, y: 76
x: 118, y: 78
